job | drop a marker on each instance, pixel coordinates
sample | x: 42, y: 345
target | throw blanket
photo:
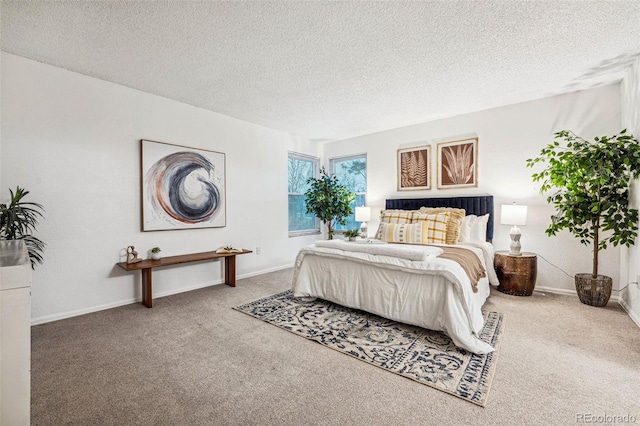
x: 469, y: 262
x: 408, y: 252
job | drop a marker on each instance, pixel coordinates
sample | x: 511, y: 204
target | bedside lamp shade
x: 363, y: 215
x: 512, y: 214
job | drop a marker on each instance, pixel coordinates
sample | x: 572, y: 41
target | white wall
x: 507, y: 137
x: 73, y: 142
x: 630, y: 263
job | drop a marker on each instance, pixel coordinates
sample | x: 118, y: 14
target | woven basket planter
x: 593, y: 291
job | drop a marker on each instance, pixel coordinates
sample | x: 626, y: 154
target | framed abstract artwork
x: 182, y: 188
x: 458, y: 164
x: 414, y: 168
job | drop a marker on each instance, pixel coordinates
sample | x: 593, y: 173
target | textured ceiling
x: 331, y: 70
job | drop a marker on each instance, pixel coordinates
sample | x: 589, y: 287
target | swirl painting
x: 182, y: 188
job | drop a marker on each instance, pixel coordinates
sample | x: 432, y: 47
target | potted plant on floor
x: 328, y: 200
x: 18, y: 221
x: 590, y: 184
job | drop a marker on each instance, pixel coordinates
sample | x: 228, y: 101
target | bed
x: 411, y: 283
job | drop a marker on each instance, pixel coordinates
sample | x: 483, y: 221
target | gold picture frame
x: 458, y: 164
x: 414, y: 168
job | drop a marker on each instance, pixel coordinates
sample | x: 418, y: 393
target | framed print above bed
x: 182, y: 187
x: 458, y: 164
x: 414, y: 168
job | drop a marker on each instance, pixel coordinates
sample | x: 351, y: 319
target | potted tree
x: 328, y: 200
x: 18, y: 221
x: 590, y: 184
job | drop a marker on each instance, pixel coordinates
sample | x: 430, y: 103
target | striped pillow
x: 394, y: 216
x: 453, y: 226
x: 432, y: 230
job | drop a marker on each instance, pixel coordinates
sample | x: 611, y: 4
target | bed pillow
x: 465, y: 229
x: 474, y: 229
x: 431, y: 230
x: 394, y: 216
x: 453, y: 226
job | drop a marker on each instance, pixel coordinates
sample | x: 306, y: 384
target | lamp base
x: 515, y: 245
x: 363, y: 230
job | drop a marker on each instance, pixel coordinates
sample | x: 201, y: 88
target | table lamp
x: 363, y: 215
x: 514, y: 215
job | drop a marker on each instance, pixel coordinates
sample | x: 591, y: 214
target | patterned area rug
x: 426, y: 356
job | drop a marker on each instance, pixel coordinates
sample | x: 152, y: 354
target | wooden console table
x: 146, y: 266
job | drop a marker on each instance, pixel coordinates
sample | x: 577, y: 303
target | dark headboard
x: 479, y: 205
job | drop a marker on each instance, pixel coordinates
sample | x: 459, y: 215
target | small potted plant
x: 155, y: 253
x: 351, y: 234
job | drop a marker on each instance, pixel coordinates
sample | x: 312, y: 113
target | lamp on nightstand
x: 363, y: 215
x: 514, y: 215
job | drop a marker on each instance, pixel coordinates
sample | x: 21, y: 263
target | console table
x: 146, y: 266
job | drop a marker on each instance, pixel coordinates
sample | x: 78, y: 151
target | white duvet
x: 431, y: 292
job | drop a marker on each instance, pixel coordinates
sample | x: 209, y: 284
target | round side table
x: 517, y: 274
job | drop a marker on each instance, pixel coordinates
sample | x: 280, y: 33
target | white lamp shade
x: 513, y: 214
x: 363, y: 214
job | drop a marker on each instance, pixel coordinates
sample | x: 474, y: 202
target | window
x: 301, y: 168
x: 352, y: 173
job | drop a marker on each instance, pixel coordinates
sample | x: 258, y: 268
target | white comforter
x: 384, y: 279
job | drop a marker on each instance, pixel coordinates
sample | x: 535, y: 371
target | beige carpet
x: 192, y: 359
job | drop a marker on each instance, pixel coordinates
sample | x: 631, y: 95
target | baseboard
x: 567, y: 292
x: 542, y: 289
x: 634, y: 317
x: 69, y: 314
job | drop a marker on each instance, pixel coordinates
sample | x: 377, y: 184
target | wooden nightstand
x: 517, y: 274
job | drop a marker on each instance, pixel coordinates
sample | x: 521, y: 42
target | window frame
x: 332, y: 171
x: 315, y: 161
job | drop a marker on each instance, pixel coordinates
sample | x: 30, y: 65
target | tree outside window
x: 301, y: 168
x: 352, y: 172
